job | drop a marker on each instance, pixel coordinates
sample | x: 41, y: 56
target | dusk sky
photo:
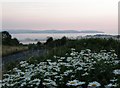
x: 100, y: 15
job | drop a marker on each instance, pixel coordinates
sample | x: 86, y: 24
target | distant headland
x: 52, y: 31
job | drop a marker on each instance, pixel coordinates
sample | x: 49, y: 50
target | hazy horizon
x: 99, y: 15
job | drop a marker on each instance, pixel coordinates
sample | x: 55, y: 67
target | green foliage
x: 56, y: 43
x: 118, y: 81
x: 7, y: 39
x: 10, y: 66
x: 49, y: 42
x: 102, y: 72
x: 14, y: 41
x: 39, y: 45
x: 32, y: 46
x: 95, y: 44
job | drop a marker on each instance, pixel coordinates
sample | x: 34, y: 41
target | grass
x: 7, y: 50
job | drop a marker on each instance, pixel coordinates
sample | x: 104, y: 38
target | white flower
x: 86, y: 73
x: 48, y: 60
x: 23, y: 84
x: 111, y: 85
x: 69, y: 59
x: 72, y: 49
x: 94, y: 84
x: 116, y: 72
x: 79, y: 68
x: 72, y: 83
x: 35, y: 81
x: 60, y: 60
x: 75, y: 83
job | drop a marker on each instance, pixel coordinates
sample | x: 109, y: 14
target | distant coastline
x: 42, y: 37
x: 51, y: 31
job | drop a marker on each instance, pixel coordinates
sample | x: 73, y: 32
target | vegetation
x: 69, y: 63
x: 10, y: 45
x: 95, y: 44
x: 7, y: 50
x: 8, y: 40
x: 95, y: 70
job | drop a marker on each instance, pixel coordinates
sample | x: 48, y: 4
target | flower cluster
x: 73, y: 69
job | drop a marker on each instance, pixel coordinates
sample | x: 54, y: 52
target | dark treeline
x: 56, y: 43
x: 7, y: 39
x: 50, y: 43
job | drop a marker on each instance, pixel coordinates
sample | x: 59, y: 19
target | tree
x: 14, y: 41
x: 39, y: 45
x: 6, y: 38
x: 49, y: 42
x: 32, y: 46
x: 6, y: 35
x: 63, y: 40
x: 50, y: 39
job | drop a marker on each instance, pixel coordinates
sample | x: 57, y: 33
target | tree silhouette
x: 7, y: 39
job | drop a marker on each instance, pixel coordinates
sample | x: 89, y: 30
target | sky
x: 100, y: 15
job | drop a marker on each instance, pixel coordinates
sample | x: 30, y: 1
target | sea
x: 30, y: 38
